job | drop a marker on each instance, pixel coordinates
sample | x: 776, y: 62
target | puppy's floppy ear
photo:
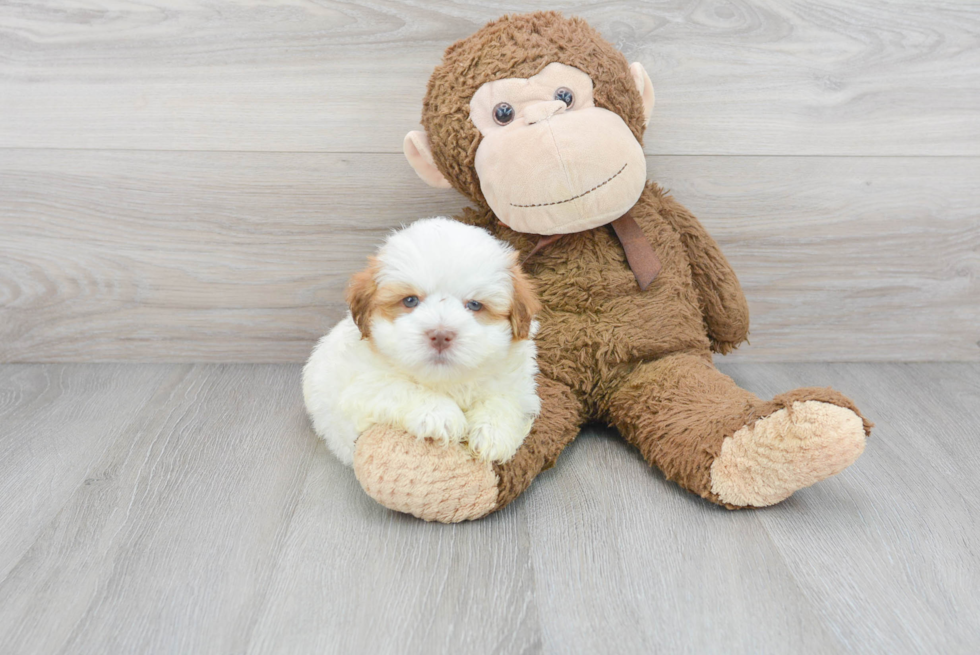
x: 360, y: 296
x: 525, y: 304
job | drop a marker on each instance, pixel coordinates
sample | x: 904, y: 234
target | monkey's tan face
x: 550, y: 161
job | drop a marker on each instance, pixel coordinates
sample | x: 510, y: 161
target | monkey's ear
x: 645, y: 87
x: 419, y: 155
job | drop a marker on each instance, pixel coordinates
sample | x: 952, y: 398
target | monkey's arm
x: 723, y: 305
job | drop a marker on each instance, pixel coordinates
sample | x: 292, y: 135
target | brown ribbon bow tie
x: 640, y: 255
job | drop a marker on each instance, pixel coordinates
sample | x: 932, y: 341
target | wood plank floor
x: 189, y: 509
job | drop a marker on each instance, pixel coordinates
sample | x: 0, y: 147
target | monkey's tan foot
x: 791, y: 448
x: 429, y: 480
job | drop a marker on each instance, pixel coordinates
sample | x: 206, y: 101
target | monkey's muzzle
x: 570, y: 172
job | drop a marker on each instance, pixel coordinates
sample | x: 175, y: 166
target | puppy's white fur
x: 379, y: 365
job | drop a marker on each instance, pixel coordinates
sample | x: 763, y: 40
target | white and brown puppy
x: 438, y: 342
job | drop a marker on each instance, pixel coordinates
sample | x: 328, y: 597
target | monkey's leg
x: 724, y: 443
x: 445, y: 483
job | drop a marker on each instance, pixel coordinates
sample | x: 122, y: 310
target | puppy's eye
x: 474, y: 306
x: 410, y: 301
x: 565, y: 95
x: 503, y: 113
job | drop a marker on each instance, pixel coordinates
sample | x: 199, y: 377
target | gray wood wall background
x: 188, y: 180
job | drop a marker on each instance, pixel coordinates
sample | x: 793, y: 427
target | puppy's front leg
x: 436, y: 417
x: 498, y: 427
x: 403, y: 404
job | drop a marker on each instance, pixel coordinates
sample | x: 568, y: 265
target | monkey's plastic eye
x: 565, y: 95
x: 410, y: 301
x: 503, y: 113
x: 474, y: 306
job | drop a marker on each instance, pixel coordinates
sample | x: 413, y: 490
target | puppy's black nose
x: 440, y: 339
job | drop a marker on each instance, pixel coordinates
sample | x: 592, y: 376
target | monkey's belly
x: 627, y: 332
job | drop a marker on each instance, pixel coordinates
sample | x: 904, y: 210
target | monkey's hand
x: 432, y: 481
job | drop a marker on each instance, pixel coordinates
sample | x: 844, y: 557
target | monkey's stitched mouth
x: 561, y: 202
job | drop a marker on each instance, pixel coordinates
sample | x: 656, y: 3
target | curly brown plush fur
x: 637, y: 360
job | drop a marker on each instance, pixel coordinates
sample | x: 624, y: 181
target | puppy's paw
x: 440, y: 419
x: 496, y: 442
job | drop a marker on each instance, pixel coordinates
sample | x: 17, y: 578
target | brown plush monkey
x: 539, y: 121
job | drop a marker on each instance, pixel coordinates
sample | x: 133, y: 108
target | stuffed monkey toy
x: 539, y: 122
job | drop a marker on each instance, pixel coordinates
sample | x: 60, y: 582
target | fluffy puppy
x: 438, y: 342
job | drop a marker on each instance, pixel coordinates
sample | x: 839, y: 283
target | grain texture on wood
x: 832, y: 77
x: 189, y: 256
x: 169, y: 544
x: 629, y: 559
x: 845, y: 259
x: 56, y: 423
x: 355, y: 577
x: 160, y: 256
x: 199, y: 514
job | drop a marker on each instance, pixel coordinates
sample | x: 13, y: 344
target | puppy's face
x: 441, y: 299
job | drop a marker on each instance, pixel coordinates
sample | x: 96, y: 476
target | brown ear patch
x: 361, y: 294
x: 525, y: 304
